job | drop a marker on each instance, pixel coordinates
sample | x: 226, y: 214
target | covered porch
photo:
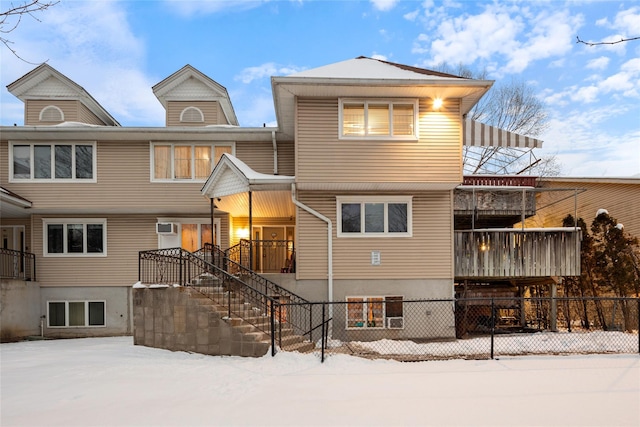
x: 261, y: 215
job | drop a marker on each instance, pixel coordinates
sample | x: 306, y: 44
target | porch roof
x: 232, y: 176
x: 12, y: 205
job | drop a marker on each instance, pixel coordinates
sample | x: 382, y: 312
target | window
x: 51, y: 113
x: 75, y: 237
x: 53, y: 162
x: 192, y: 115
x: 375, y: 312
x: 179, y: 162
x: 381, y: 216
x: 63, y: 314
x: 378, y: 119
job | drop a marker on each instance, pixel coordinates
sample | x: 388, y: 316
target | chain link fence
x: 474, y: 328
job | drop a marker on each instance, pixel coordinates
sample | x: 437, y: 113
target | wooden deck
x: 517, y: 253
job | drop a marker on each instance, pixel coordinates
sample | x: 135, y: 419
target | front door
x: 274, y: 252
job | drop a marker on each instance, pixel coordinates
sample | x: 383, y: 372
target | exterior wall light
x: 437, y: 103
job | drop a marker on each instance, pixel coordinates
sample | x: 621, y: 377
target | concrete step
x: 301, y: 347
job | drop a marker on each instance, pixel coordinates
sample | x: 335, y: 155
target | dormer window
x: 192, y: 115
x: 378, y: 119
x: 51, y: 113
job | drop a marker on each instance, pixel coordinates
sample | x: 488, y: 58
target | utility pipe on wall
x: 275, y: 152
x: 329, y: 243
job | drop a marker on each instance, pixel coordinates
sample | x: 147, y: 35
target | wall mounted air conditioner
x: 395, y: 322
x: 166, y: 228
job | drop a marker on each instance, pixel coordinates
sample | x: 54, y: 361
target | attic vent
x: 191, y: 114
x: 51, y: 113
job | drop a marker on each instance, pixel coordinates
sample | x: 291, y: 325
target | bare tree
x: 11, y: 18
x: 622, y: 40
x: 514, y: 107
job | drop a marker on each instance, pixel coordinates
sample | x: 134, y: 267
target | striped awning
x: 476, y: 134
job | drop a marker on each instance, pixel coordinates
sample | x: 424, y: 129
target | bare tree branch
x: 579, y: 40
x: 10, y: 19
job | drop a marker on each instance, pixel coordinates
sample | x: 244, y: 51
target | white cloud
x: 411, y: 16
x: 379, y: 56
x: 586, y: 149
x: 384, y: 5
x: 587, y: 94
x: 93, y: 44
x: 266, y: 70
x: 598, y: 63
x: 628, y: 22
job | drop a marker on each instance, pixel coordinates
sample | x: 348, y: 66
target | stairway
x: 246, y: 317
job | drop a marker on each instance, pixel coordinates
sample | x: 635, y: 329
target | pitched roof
x: 231, y: 176
x: 367, y: 77
x: 39, y: 82
x: 189, y: 84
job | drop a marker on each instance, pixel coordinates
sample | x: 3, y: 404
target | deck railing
x: 17, y: 265
x: 500, y: 180
x: 508, y: 252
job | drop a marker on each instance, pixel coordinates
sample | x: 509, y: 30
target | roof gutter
x: 329, y: 245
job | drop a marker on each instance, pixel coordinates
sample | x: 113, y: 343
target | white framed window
x: 49, y: 162
x: 374, y: 216
x: 375, y: 312
x: 378, y: 119
x: 51, y: 113
x: 192, y: 115
x: 181, y: 162
x: 74, y: 237
x: 76, y: 314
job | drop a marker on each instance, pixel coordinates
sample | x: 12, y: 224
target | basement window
x: 69, y: 314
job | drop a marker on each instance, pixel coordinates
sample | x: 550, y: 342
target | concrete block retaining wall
x: 181, y: 319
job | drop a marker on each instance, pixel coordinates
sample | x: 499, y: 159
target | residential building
x: 352, y: 197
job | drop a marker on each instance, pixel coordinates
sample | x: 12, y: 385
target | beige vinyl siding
x: 286, y: 158
x: 426, y: 255
x: 621, y: 200
x: 322, y: 157
x: 70, y: 109
x: 210, y: 109
x: 86, y: 116
x: 259, y: 156
x: 126, y: 235
x: 123, y: 185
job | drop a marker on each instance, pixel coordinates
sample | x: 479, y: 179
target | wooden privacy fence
x: 508, y: 252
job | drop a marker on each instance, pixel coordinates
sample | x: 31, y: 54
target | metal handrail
x: 17, y: 265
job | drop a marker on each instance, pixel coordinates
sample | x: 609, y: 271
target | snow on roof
x: 368, y: 68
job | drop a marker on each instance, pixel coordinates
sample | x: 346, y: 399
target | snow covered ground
x: 111, y: 382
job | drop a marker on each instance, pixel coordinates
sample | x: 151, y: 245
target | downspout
x: 329, y: 244
x: 275, y: 152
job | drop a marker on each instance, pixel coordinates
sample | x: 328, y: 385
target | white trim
x: 386, y: 200
x: 365, y: 300
x: 49, y: 107
x: 388, y: 101
x: 193, y: 145
x: 192, y: 121
x: 66, y: 221
x: 53, y: 179
x: 86, y: 314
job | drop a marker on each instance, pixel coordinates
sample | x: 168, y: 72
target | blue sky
x: 117, y: 50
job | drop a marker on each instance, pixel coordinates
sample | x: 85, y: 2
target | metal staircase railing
x: 243, y: 292
x: 17, y: 265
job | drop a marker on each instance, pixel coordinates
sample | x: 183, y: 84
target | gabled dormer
x: 51, y: 98
x: 190, y: 98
